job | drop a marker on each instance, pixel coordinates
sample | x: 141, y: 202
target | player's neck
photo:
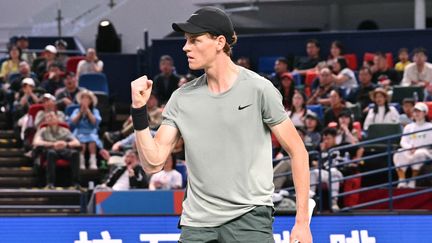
x: 221, y: 75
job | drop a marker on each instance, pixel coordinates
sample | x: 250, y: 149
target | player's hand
x: 141, y: 90
x: 301, y: 233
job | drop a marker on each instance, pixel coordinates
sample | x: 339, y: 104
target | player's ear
x: 220, y: 42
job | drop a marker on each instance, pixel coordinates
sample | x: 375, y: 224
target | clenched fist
x: 141, y: 90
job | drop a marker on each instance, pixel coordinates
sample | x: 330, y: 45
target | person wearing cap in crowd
x: 381, y: 112
x: 86, y: 120
x: 61, y: 46
x: 41, y: 65
x: 58, y: 143
x: 25, y: 98
x: 11, y: 65
x: 225, y: 117
x: 23, y: 43
x: 91, y: 63
x: 280, y: 68
x: 67, y: 95
x: 286, y: 88
x: 167, y: 80
x: 415, y: 147
x: 49, y: 105
x: 321, y: 95
x: 54, y: 79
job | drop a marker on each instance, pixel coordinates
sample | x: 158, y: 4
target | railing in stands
x: 390, y: 150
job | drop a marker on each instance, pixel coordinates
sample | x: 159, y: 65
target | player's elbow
x: 151, y: 169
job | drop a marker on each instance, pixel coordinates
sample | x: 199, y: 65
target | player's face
x: 200, y: 50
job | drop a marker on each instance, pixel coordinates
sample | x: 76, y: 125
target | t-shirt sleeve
x: 272, y: 110
x: 170, y: 112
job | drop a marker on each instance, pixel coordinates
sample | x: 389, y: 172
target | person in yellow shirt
x: 403, y: 56
x: 12, y: 64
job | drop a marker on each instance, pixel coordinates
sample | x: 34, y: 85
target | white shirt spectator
x: 392, y: 116
x: 351, y: 82
x: 122, y: 183
x: 412, y: 74
x: 166, y: 180
x: 417, y: 139
x: 85, y: 66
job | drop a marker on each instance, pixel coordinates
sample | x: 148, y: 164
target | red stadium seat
x: 429, y: 104
x: 309, y: 79
x: 351, y: 61
x: 368, y: 57
x: 72, y: 63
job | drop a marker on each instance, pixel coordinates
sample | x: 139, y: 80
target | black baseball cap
x: 207, y: 20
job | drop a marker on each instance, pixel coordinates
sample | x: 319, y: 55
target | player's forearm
x: 149, y: 152
x: 301, y: 177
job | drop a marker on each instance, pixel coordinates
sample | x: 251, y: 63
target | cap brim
x: 188, y: 28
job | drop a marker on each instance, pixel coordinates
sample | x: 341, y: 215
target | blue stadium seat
x: 68, y: 112
x: 266, y: 64
x: 95, y: 82
x: 317, y: 109
x: 181, y: 168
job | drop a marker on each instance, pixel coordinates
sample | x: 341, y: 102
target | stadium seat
x: 368, y: 56
x: 317, y: 109
x: 266, y: 64
x: 351, y: 61
x: 182, y: 169
x: 68, y: 112
x: 356, y: 111
x: 105, y: 108
x: 429, y: 104
x: 72, y: 63
x: 383, y: 130
x: 94, y: 82
x: 310, y: 78
x: 402, y: 92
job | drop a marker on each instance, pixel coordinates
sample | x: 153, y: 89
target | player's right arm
x: 153, y: 152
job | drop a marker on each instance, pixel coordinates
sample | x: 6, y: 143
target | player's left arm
x: 288, y: 137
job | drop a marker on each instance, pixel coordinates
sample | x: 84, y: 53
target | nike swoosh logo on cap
x: 194, y: 14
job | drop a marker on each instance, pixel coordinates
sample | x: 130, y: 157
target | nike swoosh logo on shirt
x: 242, y: 107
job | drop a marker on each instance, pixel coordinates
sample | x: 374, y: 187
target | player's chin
x: 195, y: 66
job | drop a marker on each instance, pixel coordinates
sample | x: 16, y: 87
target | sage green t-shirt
x: 227, y: 145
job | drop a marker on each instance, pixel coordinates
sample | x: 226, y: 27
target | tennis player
x: 225, y: 117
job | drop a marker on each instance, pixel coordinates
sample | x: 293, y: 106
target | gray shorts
x: 252, y: 227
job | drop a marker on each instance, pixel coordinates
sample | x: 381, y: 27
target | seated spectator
x: 418, y: 73
x: 23, y: 72
x: 11, y: 65
x: 382, y: 112
x: 67, y: 95
x: 61, y: 46
x: 303, y: 64
x: 49, y: 105
x: 168, y: 178
x: 286, y: 88
x: 58, y: 143
x: 166, y: 82
x: 408, y: 109
x: 321, y: 95
x: 411, y: 144
x: 403, y: 56
x: 185, y: 79
x: 336, y: 51
x: 23, y: 43
x: 24, y: 98
x: 280, y: 68
x: 244, y: 62
x: 128, y: 176
x: 91, y: 63
x: 361, y: 94
x: 86, y: 120
x: 383, y: 75
x: 343, y: 77
x: 313, y: 130
x: 124, y: 143
x: 41, y: 65
x: 54, y: 79
x: 337, y: 104
x: 298, y: 110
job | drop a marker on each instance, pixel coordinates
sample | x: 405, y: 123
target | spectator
x: 286, y: 88
x: 91, y: 63
x: 185, y: 79
x: 128, y: 176
x: 408, y: 108
x: 312, y: 59
x: 361, y: 95
x: 403, y: 56
x: 86, y: 120
x: 383, y: 75
x: 23, y: 72
x: 344, y: 77
x: 418, y: 73
x: 321, y: 95
x: 23, y: 43
x: 154, y: 112
x: 346, y: 132
x: 337, y: 104
x: 298, y: 110
x: 58, y: 143
x: 67, y: 95
x: 11, y: 65
x: 166, y: 82
x: 280, y: 68
x: 41, y: 65
x: 336, y: 50
x: 244, y: 62
x: 54, y: 79
x: 61, y: 46
x: 168, y: 178
x: 313, y: 130
x: 382, y: 112
x: 24, y: 99
x: 49, y: 105
x: 125, y: 143
x: 416, y: 147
